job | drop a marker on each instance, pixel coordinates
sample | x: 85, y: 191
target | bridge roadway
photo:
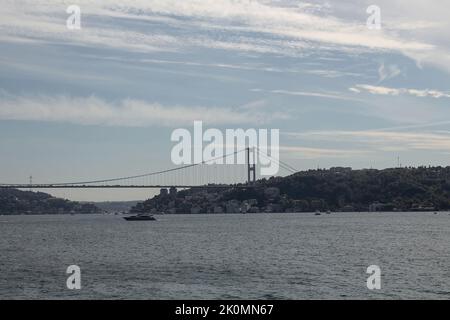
x: 59, y: 186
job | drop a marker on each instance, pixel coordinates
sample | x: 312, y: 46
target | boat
x: 317, y: 213
x: 141, y: 217
x: 328, y: 212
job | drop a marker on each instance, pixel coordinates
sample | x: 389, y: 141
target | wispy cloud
x: 333, y: 73
x: 300, y: 152
x: 387, y: 72
x: 382, y: 140
x: 379, y: 90
x: 276, y: 26
x: 327, y: 95
x: 95, y: 111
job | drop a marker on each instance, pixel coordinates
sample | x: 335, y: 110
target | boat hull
x: 140, y: 218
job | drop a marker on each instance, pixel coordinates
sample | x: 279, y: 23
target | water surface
x: 267, y: 256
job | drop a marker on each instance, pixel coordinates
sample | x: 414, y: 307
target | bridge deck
x: 47, y: 186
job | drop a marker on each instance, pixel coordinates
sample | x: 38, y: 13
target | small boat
x: 141, y: 217
x: 328, y: 212
x: 317, y: 213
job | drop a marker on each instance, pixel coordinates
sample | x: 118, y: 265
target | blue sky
x: 102, y: 101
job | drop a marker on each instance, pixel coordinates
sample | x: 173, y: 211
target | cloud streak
x: 386, y: 91
x: 383, y: 140
x: 128, y: 112
x: 300, y: 152
x: 277, y: 27
x: 326, y: 95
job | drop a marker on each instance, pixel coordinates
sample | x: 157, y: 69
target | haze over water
x: 266, y: 256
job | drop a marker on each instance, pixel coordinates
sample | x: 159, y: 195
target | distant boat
x: 328, y: 212
x: 141, y: 217
x: 317, y: 213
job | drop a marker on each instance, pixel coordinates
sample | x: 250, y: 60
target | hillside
x: 13, y: 201
x: 336, y: 189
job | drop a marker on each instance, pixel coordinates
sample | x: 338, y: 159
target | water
x: 270, y: 256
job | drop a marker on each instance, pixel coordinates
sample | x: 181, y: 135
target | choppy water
x: 273, y: 256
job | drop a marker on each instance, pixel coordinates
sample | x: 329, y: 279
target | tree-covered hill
x: 13, y: 201
x: 398, y: 188
x: 336, y: 189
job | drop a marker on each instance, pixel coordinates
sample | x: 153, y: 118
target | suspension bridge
x: 219, y: 172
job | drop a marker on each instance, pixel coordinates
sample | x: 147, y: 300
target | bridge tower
x: 251, y: 167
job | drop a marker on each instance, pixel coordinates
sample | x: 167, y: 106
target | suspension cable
x: 279, y: 162
x: 138, y: 176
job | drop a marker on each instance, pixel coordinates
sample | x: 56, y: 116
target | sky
x: 102, y: 101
